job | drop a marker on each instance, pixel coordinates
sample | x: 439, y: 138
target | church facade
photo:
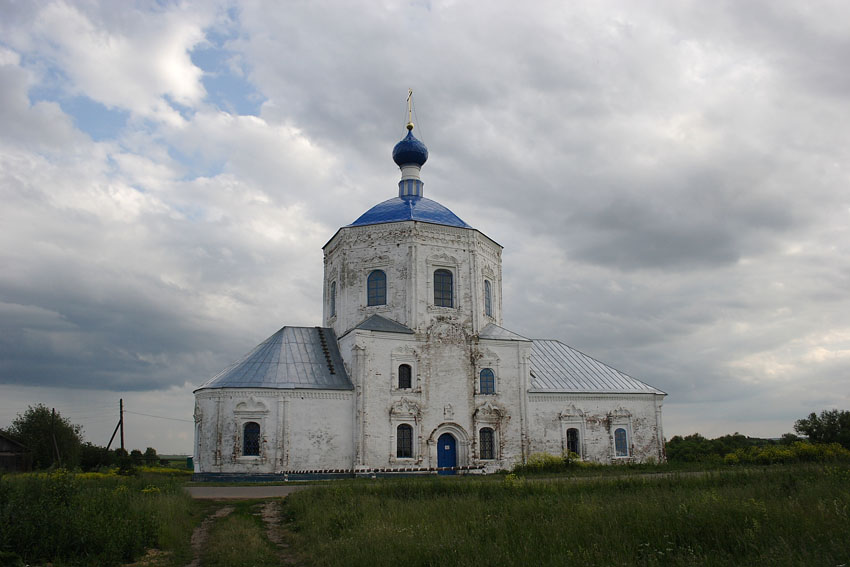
x: 412, y: 368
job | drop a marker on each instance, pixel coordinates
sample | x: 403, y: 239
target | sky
x: 669, y: 181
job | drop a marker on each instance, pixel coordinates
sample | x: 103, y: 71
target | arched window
x: 376, y: 288
x: 333, y: 299
x: 488, y: 299
x: 487, y: 443
x: 251, y: 439
x: 404, y: 442
x: 443, y: 288
x: 404, y: 376
x: 487, y: 382
x: 572, y: 441
x: 621, y: 443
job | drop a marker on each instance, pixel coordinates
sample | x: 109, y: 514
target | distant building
x: 412, y: 368
x: 14, y: 457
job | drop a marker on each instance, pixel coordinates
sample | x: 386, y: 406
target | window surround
x: 405, y: 412
x: 488, y: 415
x: 491, y: 362
x: 396, y: 360
x: 572, y: 418
x: 620, y: 419
x: 444, y: 273
x: 250, y: 410
x: 488, y: 298
x: 441, y: 262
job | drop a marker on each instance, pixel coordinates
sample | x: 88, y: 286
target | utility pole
x: 121, y: 422
x: 119, y: 425
x: 53, y: 435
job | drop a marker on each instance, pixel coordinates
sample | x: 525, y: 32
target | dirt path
x: 276, y: 532
x: 202, y: 532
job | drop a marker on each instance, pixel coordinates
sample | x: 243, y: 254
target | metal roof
x: 379, y: 323
x: 292, y: 358
x: 408, y: 208
x: 556, y: 367
x: 494, y: 332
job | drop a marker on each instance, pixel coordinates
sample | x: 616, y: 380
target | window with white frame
x: 405, y: 376
x: 621, y: 442
x: 376, y: 288
x: 404, y: 441
x: 486, y: 381
x: 488, y: 299
x: 443, y: 288
x: 573, y: 441
x: 487, y: 444
x: 333, y: 299
x: 251, y: 439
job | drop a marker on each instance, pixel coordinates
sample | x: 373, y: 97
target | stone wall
x: 409, y: 253
x: 596, y: 417
x: 299, y: 429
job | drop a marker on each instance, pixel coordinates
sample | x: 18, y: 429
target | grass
x: 781, y: 515
x: 94, y: 519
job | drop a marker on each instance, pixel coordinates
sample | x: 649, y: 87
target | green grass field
x: 784, y: 515
x: 774, y: 515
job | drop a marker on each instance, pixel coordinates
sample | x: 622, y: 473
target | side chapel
x: 412, y: 369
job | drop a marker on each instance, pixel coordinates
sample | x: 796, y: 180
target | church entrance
x: 446, y: 452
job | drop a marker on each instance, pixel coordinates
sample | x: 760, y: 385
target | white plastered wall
x: 597, y: 416
x: 299, y: 430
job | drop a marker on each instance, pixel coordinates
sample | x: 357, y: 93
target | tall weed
x: 60, y: 516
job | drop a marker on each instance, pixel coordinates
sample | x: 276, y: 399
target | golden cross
x: 410, y: 109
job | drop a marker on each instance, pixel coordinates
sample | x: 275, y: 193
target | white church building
x: 412, y: 368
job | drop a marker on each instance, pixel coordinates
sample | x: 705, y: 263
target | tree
x: 136, y: 457
x: 94, y: 457
x: 831, y: 426
x: 151, y: 457
x: 43, y: 432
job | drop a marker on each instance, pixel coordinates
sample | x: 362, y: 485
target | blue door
x: 446, y: 452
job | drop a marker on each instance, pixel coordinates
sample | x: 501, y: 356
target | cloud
x: 668, y: 183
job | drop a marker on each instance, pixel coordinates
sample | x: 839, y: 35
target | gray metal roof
x: 292, y: 358
x: 555, y: 367
x: 495, y: 332
x: 378, y: 323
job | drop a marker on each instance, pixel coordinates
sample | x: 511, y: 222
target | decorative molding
x: 251, y: 405
x: 489, y: 412
x: 224, y: 393
x: 569, y: 396
x: 621, y: 413
x: 442, y: 259
x: 571, y: 413
x: 405, y: 408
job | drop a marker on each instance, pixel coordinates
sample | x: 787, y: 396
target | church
x: 412, y: 369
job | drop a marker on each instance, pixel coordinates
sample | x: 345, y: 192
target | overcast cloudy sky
x: 669, y: 180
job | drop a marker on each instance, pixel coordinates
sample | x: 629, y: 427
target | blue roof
x: 408, y: 208
x: 409, y: 151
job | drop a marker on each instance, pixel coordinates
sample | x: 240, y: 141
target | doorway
x: 446, y: 452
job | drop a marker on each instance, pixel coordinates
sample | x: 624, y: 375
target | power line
x: 159, y: 416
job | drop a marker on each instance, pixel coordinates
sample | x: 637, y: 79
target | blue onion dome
x: 410, y: 151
